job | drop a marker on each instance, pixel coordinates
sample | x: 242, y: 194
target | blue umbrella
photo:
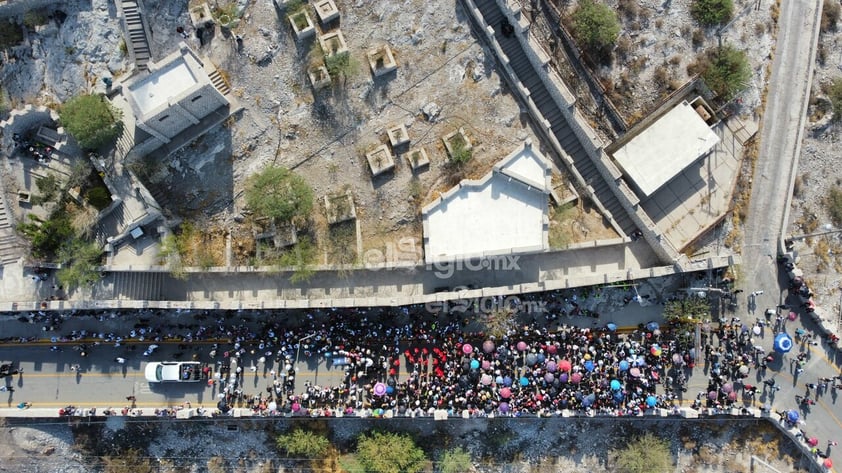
x: 624, y: 365
x: 792, y: 416
x: 389, y: 389
x: 589, y: 365
x: 618, y: 396
x: 588, y: 400
x: 507, y: 381
x: 783, y: 343
x: 498, y: 380
x: 524, y: 381
x: 541, y: 358
x: 474, y: 364
x: 615, y: 385
x: 611, y: 327
x: 652, y: 326
x: 651, y: 401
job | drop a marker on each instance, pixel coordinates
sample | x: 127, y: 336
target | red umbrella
x: 732, y: 396
x: 564, y: 365
x: 552, y: 349
x: 828, y: 463
x: 812, y: 441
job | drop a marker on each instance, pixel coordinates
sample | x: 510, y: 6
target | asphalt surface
x: 780, y: 144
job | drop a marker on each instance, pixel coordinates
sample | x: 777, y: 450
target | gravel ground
x: 818, y: 171
x: 496, y: 445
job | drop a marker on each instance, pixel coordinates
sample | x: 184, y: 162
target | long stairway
x: 137, y: 285
x: 136, y: 38
x: 11, y: 248
x: 570, y: 143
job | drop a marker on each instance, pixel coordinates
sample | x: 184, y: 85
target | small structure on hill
x: 505, y: 212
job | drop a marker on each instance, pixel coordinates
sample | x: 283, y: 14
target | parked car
x: 173, y: 371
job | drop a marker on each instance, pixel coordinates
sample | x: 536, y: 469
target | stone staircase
x: 136, y: 38
x: 570, y: 143
x: 112, y: 224
x: 11, y: 248
x: 136, y: 285
x: 219, y: 82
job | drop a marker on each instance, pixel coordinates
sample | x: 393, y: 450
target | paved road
x: 780, y: 144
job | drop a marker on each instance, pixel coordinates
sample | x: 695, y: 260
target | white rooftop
x: 665, y: 148
x: 170, y: 81
x: 501, y: 213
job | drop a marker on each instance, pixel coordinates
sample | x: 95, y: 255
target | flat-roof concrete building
x: 666, y: 147
x: 505, y: 212
x: 174, y: 102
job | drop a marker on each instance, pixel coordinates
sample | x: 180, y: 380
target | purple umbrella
x: 712, y: 395
x: 563, y: 377
x: 552, y: 366
x: 379, y: 389
x: 504, y: 407
x: 488, y: 346
x: 521, y: 346
x: 549, y: 377
x: 486, y: 364
x: 727, y: 388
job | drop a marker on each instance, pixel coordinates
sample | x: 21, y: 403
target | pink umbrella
x: 564, y: 365
x: 552, y: 349
x: 576, y: 378
x: 486, y: 364
x: 485, y: 380
x: 812, y: 441
x: 488, y: 346
x: 505, y: 393
x: 296, y: 407
x: 552, y: 366
x: 792, y: 316
x: 727, y: 388
x: 521, y: 346
x: 379, y: 389
x: 732, y: 396
x: 634, y: 372
x: 467, y: 349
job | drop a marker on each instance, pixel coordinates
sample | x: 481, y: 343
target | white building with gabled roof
x: 505, y: 212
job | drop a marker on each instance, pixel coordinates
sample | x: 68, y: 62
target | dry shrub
x: 830, y: 15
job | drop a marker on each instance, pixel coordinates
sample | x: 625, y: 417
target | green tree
x: 47, y: 236
x: 301, y: 257
x: 303, y: 444
x: 689, y: 309
x: 99, y: 197
x: 279, y: 194
x: 79, y: 260
x: 389, y: 453
x: 595, y: 25
x: 727, y: 71
x: 646, y: 454
x: 712, y: 12
x: 91, y: 120
x: 455, y: 460
x: 834, y: 93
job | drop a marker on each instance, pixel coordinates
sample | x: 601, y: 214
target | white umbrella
x: 272, y: 406
x: 756, y: 330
